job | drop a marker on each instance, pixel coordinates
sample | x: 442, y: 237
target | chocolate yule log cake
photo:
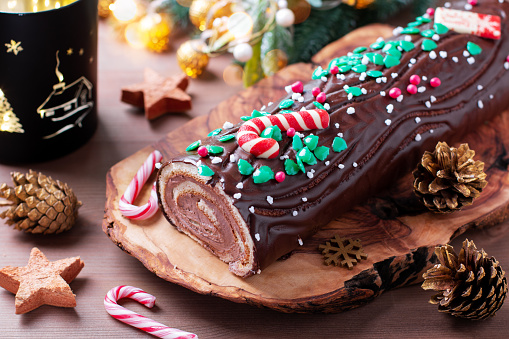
x: 254, y: 191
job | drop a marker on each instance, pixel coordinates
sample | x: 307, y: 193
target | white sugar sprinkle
x: 237, y: 195
x: 388, y: 122
x: 300, y: 241
x: 341, y: 76
x: 418, y: 137
x: 408, y: 38
x: 288, y: 89
x: 240, y: 186
x: 354, y: 164
x: 417, y: 120
x: 435, y: 37
x: 341, y: 166
x: 471, y: 60
x: 400, y: 98
x: 480, y: 104
x: 397, y: 30
x: 310, y: 175
x: 227, y: 125
x: 378, y: 80
x: 466, y: 54
x: 432, y: 98
x: 424, y: 78
x: 390, y: 108
x: 350, y: 96
x: 158, y: 165
x: 304, y: 199
x: 431, y: 131
x: 491, y: 96
x: 455, y: 59
x: 257, y: 236
x: 428, y: 104
x: 410, y: 65
x: 364, y: 91
x: 413, y: 61
x: 365, y: 60
x: 468, y: 7
x: 432, y: 55
x: 300, y: 99
x: 479, y: 87
x: 295, y: 213
x: 216, y: 160
x: 324, y: 79
x: 350, y: 110
x: 295, y: 96
x: 447, y: 5
x: 384, y: 79
x: 270, y: 199
x: 340, y: 134
x: 382, y: 93
x: 326, y: 106
x: 327, y: 163
x: 251, y: 209
x: 270, y: 103
x: 443, y: 54
x: 336, y: 125
x: 263, y: 108
x: 421, y: 89
x: 506, y: 65
x: 233, y: 158
x: 394, y: 75
x: 362, y: 77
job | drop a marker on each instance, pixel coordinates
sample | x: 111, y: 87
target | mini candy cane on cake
x: 134, y: 319
x: 125, y: 204
x: 249, y: 138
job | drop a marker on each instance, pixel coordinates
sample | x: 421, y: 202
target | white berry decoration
x: 285, y: 17
x: 243, y: 52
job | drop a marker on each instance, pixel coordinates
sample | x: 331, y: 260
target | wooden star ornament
x: 41, y: 282
x: 158, y: 95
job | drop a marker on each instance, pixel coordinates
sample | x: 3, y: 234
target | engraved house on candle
x: 67, y: 105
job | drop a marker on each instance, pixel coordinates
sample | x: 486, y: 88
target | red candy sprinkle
x: 472, y: 2
x: 412, y: 89
x: 430, y: 11
x: 315, y: 91
x: 334, y: 70
x: 435, y: 82
x: 297, y: 87
x: 415, y: 79
x: 507, y: 59
x: 280, y: 176
x: 394, y: 92
x: 290, y: 132
x: 321, y: 97
x: 203, y: 151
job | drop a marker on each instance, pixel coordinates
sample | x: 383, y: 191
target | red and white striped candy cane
x: 125, y: 204
x: 249, y: 138
x: 134, y: 319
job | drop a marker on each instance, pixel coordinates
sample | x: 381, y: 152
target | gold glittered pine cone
x: 470, y: 285
x: 449, y: 178
x: 39, y: 204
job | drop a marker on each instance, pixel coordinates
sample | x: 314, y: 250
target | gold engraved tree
x: 9, y: 122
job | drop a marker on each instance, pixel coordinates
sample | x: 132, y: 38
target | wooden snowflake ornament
x: 346, y: 252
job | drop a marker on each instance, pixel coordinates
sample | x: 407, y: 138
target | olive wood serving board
x: 397, y: 234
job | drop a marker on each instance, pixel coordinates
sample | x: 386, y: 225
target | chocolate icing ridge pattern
x: 377, y: 151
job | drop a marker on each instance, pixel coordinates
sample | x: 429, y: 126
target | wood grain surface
x: 122, y: 132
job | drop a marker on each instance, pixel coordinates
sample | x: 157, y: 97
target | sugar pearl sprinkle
x: 350, y: 110
x: 257, y: 236
x: 295, y: 213
x: 270, y: 199
x: 237, y: 195
x: 240, y: 186
x: 251, y: 209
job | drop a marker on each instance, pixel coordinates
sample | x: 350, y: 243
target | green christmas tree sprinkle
x: 205, y: 171
x: 321, y: 152
x: 226, y: 138
x: 291, y: 168
x: 214, y: 149
x: 245, y: 167
x: 339, y: 144
x: 193, y: 146
x: 263, y: 174
x: 214, y: 132
x: 473, y: 49
x: 297, y: 143
x: 311, y: 141
x: 286, y: 103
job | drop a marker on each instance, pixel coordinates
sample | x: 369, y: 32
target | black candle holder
x: 48, y: 81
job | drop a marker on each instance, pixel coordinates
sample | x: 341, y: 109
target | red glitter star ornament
x: 158, y: 95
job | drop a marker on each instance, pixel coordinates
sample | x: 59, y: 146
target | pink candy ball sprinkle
x: 321, y: 97
x: 394, y: 92
x: 334, y: 70
x: 472, y: 2
x: 290, y: 132
x: 435, y: 82
x: 507, y: 59
x: 430, y: 11
x: 412, y: 89
x: 280, y: 176
x: 203, y: 151
x: 297, y: 87
x: 415, y: 79
x: 315, y: 91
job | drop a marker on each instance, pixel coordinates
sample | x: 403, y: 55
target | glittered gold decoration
x: 203, y: 12
x: 14, y: 47
x: 359, y: 4
x: 449, y: 178
x: 155, y: 32
x: 346, y: 252
x: 190, y: 58
x: 9, y: 122
x: 470, y: 284
x: 103, y: 8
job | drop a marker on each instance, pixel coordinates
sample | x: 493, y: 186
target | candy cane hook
x: 125, y: 204
x: 248, y: 135
x: 134, y: 319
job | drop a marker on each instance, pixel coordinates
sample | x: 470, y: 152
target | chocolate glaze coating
x: 377, y: 153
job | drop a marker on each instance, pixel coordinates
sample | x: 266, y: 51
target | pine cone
x: 449, y: 179
x: 40, y: 204
x: 471, y: 285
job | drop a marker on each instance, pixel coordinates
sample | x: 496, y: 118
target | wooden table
x: 122, y: 131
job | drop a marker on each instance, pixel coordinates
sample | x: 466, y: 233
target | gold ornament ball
x: 190, y: 58
x: 155, y: 30
x: 359, y: 4
x: 203, y: 12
